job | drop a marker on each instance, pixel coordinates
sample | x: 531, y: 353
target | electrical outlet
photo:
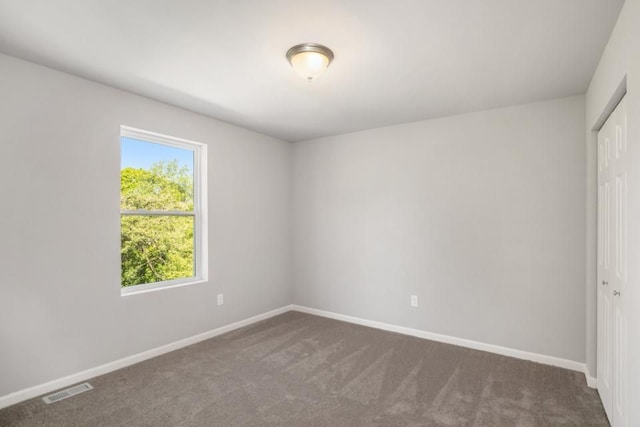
x: 414, y: 300
x: 220, y: 299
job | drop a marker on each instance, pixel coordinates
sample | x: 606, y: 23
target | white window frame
x: 199, y: 208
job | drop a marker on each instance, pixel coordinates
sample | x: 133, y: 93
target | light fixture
x: 309, y: 60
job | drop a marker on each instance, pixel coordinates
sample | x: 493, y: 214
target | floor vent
x: 63, y: 394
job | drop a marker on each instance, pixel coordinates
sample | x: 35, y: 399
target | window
x: 162, y: 223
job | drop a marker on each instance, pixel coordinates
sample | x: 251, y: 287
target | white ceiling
x: 396, y: 61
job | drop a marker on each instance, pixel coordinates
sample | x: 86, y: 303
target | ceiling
x: 395, y: 61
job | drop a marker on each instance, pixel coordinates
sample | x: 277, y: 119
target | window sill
x: 152, y: 287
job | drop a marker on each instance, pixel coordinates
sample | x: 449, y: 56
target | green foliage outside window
x: 160, y: 247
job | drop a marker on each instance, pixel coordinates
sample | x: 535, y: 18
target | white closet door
x: 612, y: 265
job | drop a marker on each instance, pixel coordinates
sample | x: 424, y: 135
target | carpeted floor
x: 301, y: 370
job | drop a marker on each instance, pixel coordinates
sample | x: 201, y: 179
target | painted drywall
x: 61, y: 311
x: 480, y: 215
x: 619, y: 63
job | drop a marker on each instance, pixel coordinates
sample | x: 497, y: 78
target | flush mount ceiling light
x: 309, y: 60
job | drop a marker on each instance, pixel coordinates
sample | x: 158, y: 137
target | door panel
x: 619, y: 169
x: 605, y: 340
x: 612, y: 265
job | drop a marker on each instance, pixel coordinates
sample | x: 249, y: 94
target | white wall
x: 60, y: 306
x: 480, y: 215
x: 620, y: 60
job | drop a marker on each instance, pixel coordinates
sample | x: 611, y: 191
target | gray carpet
x: 301, y: 370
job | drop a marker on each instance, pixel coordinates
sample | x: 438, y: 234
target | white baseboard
x: 592, y: 382
x: 491, y: 348
x: 31, y: 392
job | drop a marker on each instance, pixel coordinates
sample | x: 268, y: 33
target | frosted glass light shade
x: 309, y: 65
x: 309, y: 60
